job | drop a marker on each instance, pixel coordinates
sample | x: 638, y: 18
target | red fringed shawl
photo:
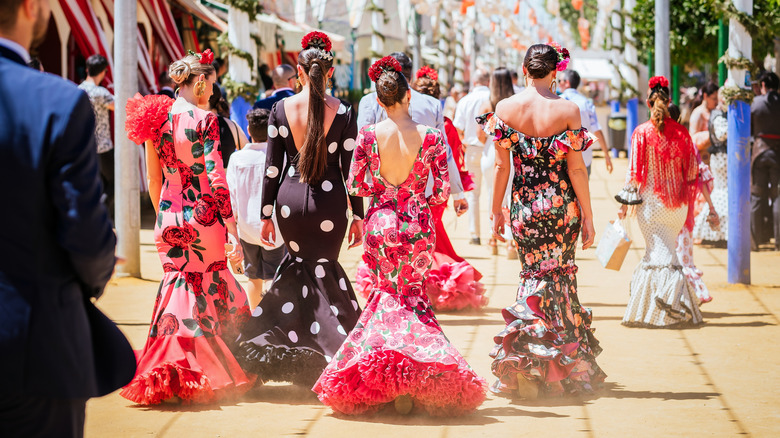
x: 672, y: 160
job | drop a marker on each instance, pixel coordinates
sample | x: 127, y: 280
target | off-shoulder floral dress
x: 397, y: 347
x: 548, y: 338
x: 200, y: 306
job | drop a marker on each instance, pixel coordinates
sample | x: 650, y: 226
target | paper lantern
x: 577, y: 4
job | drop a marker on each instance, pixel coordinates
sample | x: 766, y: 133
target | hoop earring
x: 200, y: 88
x: 553, y: 87
x: 298, y: 83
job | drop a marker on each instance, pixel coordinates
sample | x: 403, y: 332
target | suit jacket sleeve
x: 84, y: 230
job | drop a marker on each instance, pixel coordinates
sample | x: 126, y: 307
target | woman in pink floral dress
x: 397, y: 351
x: 200, y: 307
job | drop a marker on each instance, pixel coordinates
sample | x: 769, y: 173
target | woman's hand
x: 588, y: 233
x: 460, y: 205
x: 622, y: 211
x: 355, y: 233
x: 713, y: 218
x: 268, y: 233
x: 498, y: 225
x: 235, y: 253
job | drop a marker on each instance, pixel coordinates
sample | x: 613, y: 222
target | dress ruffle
x: 529, y: 147
x: 187, y: 355
x: 145, y: 116
x: 398, y: 348
x: 661, y: 298
x: 547, y: 341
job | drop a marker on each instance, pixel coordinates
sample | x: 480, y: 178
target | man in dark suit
x: 57, y: 245
x: 166, y: 85
x: 284, y: 78
x: 765, y: 163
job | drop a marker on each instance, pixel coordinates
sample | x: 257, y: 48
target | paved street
x: 718, y: 380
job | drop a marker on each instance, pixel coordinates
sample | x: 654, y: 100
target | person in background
x: 166, y: 85
x: 220, y: 66
x: 465, y: 122
x: 245, y: 175
x: 102, y: 102
x: 568, y: 83
x: 517, y: 88
x: 451, y: 102
x: 231, y: 136
x: 699, y: 122
x: 765, y: 162
x: 284, y: 78
x: 711, y: 222
x: 58, y: 245
x: 265, y: 77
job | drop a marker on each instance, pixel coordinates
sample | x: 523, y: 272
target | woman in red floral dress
x: 200, y: 307
x: 397, y: 351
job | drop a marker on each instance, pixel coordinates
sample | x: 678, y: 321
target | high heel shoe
x: 403, y: 404
x: 493, y: 246
x: 511, y: 251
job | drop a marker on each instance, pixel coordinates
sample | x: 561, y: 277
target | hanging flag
x: 517, y: 7
x: 464, y: 5
x: 577, y: 4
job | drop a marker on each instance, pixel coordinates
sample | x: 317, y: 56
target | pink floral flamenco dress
x: 547, y: 339
x: 397, y: 347
x: 200, y: 306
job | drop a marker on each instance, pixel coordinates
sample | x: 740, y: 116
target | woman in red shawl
x: 662, y: 181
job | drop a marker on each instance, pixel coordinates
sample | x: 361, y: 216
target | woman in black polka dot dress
x: 305, y: 316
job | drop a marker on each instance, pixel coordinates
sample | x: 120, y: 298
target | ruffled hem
x: 300, y: 366
x: 382, y: 375
x: 555, y: 348
x: 454, y: 286
x: 215, y: 376
x: 661, y: 297
x: 628, y: 196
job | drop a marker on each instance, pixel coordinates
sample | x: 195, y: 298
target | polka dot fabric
x: 702, y: 230
x: 302, y: 320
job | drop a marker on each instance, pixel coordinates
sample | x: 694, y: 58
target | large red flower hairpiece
x: 207, y: 57
x: 563, y: 56
x: 316, y: 39
x: 658, y: 81
x: 427, y: 72
x: 388, y: 63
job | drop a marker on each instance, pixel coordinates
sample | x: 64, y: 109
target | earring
x: 553, y: 87
x: 298, y: 83
x: 200, y: 88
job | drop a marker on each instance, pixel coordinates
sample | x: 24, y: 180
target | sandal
x: 493, y: 246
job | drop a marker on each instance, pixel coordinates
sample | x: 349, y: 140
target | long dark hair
x: 708, y: 89
x: 312, y: 160
x: 500, y: 86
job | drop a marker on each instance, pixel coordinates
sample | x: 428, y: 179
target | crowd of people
x: 277, y: 206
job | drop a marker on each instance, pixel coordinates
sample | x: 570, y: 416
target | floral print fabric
x: 200, y: 306
x: 397, y: 347
x: 548, y: 338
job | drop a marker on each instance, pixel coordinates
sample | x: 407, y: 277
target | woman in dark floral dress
x: 548, y: 344
x: 200, y: 307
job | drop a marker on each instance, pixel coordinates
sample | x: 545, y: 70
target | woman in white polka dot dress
x: 662, y: 180
x: 302, y: 320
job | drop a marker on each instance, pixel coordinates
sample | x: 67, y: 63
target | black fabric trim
x: 301, y: 366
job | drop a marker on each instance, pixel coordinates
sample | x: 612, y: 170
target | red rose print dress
x: 548, y: 338
x: 397, y: 347
x: 200, y: 307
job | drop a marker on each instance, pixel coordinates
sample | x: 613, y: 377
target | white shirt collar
x: 16, y: 47
x: 257, y: 146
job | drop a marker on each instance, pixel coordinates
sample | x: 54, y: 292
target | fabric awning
x: 592, y: 69
x: 204, y: 14
x: 164, y: 27
x: 291, y: 33
x: 87, y: 32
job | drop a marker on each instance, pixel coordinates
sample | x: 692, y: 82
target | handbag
x: 613, y: 246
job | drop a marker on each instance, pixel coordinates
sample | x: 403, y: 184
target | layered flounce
x: 397, y: 348
x: 661, y: 297
x: 145, y: 116
x: 548, y: 340
x: 186, y: 355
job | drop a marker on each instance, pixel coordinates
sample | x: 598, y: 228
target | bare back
x: 539, y: 115
x: 398, y: 147
x: 297, y: 110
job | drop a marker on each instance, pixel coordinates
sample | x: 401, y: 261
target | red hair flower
x: 658, y: 81
x: 207, y: 57
x: 316, y: 39
x: 388, y: 63
x: 428, y: 73
x: 563, y: 56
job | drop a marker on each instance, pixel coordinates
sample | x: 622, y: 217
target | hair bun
x: 179, y: 71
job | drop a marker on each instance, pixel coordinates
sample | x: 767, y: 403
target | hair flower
x: 427, y: 72
x: 386, y: 64
x: 207, y: 57
x: 658, y: 81
x: 563, y: 56
x: 316, y: 39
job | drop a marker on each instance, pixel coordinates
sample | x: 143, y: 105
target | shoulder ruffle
x: 145, y: 116
x: 507, y: 137
x: 502, y: 134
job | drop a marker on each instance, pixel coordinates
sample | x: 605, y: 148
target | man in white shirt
x: 568, y: 82
x: 424, y: 110
x: 469, y: 107
x: 245, y: 173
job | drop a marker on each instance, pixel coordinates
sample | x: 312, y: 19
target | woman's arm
x: 345, y: 160
x: 274, y: 168
x: 154, y: 176
x: 358, y: 170
x: 501, y: 179
x: 481, y: 135
x: 578, y: 175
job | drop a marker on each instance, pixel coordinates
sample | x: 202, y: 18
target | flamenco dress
x: 397, y: 347
x: 703, y: 230
x: 200, y: 307
x: 451, y: 283
x: 306, y: 314
x: 662, y: 181
x: 548, y: 337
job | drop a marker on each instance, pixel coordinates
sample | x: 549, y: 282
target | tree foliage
x: 571, y: 15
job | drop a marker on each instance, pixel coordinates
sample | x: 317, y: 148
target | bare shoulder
x: 571, y: 113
